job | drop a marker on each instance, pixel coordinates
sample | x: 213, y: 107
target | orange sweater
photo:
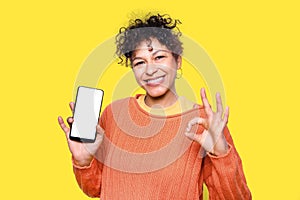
x: 147, y: 157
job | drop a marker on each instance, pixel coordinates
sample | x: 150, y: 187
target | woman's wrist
x: 82, y: 163
x: 221, y: 148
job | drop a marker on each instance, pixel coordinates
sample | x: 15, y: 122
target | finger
x: 99, y: 130
x: 204, y: 98
x: 196, y: 106
x: 196, y: 120
x: 219, y: 104
x: 63, y: 125
x: 100, y: 134
x: 70, y: 121
x: 71, y: 104
x: 194, y: 136
x: 226, y: 115
x: 205, y: 102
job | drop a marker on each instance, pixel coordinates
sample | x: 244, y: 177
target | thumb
x: 100, y: 133
x: 99, y: 130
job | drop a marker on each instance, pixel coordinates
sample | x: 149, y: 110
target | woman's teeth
x: 157, y: 80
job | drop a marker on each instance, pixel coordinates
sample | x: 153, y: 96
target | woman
x: 158, y: 145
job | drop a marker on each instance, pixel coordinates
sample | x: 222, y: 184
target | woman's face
x: 155, y: 68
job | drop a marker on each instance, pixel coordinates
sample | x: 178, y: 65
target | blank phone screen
x: 86, y: 114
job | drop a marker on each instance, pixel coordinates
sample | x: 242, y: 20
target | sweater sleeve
x: 89, y: 178
x: 224, y: 176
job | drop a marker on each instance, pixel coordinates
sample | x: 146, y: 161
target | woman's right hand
x: 82, y: 152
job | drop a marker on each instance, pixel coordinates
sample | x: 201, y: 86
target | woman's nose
x: 151, y: 69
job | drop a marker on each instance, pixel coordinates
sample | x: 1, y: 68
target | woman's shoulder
x: 187, y: 104
x: 119, y: 104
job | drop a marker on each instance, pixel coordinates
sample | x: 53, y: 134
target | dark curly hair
x: 161, y: 27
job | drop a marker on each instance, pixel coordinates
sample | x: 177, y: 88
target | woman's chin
x: 157, y: 92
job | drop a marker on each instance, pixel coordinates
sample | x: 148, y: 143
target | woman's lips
x: 155, y: 81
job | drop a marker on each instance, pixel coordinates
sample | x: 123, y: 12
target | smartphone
x: 86, y: 114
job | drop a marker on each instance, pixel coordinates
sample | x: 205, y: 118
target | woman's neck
x: 163, y: 101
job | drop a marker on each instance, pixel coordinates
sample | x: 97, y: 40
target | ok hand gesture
x: 212, y: 139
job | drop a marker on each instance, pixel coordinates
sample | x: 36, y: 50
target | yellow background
x: 254, y: 44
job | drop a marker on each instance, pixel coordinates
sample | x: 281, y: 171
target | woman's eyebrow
x: 155, y: 52
x: 135, y: 58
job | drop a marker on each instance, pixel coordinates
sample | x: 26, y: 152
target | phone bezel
x: 79, y: 139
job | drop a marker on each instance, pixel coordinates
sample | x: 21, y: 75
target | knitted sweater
x: 147, y: 157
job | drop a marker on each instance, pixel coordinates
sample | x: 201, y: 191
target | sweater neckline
x: 140, y: 109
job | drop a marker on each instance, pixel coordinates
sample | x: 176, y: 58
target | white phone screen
x: 86, y: 114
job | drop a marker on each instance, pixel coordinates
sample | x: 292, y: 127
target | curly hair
x: 161, y: 27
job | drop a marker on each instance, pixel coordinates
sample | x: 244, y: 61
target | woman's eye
x: 159, y: 57
x: 139, y: 63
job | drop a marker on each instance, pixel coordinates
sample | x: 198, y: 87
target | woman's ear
x: 179, y: 62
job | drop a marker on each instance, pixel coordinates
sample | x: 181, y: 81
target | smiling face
x: 155, y: 67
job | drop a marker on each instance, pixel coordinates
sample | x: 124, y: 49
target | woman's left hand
x: 212, y: 139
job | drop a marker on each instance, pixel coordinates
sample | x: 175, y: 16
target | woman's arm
x: 89, y: 177
x: 224, y: 176
x: 222, y: 166
x: 86, y: 168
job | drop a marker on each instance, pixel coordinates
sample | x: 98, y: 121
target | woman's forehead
x: 148, y: 46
